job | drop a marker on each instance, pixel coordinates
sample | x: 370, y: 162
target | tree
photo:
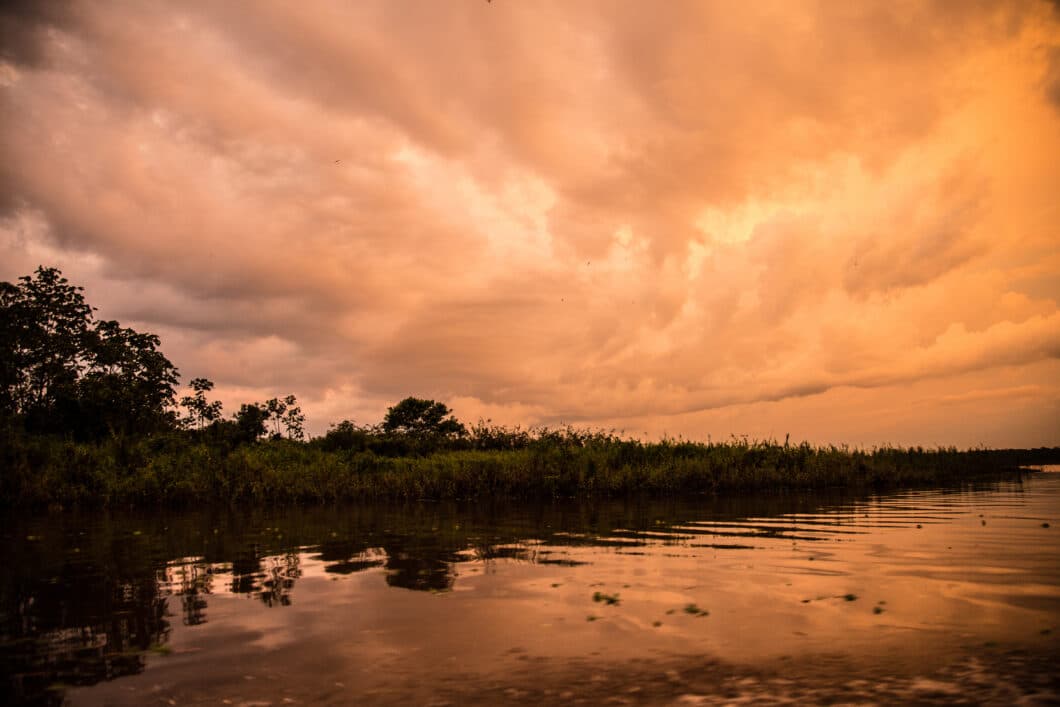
x: 62, y: 372
x: 293, y: 419
x: 250, y: 422
x: 127, y: 386
x: 200, y: 411
x: 285, y: 413
x: 44, y: 321
x: 346, y: 435
x: 422, y: 418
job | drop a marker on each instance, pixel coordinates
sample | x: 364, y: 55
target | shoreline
x: 175, y: 471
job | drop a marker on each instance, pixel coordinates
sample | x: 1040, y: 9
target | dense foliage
x: 552, y: 464
x: 63, y: 372
x: 89, y: 415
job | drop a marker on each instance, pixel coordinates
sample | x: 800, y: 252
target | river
x: 947, y: 596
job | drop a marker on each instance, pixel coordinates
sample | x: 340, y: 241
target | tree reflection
x: 83, y: 599
x: 191, y: 581
x: 280, y: 574
x: 68, y: 631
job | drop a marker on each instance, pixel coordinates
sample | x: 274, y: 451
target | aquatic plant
x: 609, y: 599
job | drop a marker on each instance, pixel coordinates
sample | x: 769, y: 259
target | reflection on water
x: 212, y: 603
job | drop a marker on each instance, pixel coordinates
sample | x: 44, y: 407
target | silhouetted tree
x: 201, y: 412
x: 293, y: 419
x: 127, y: 387
x: 44, y: 323
x: 285, y: 413
x: 422, y: 418
x: 346, y: 435
x: 250, y: 422
x: 62, y: 372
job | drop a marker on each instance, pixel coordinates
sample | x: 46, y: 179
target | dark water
x: 921, y: 596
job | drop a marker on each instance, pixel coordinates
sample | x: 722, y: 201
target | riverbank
x: 181, y: 470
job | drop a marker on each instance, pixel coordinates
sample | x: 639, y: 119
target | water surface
x: 941, y: 595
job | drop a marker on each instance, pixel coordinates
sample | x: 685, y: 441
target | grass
x: 173, y: 470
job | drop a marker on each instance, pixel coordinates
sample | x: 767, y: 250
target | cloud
x: 1052, y: 77
x: 25, y: 26
x: 588, y: 212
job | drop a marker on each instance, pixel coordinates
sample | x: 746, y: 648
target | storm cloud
x: 699, y: 218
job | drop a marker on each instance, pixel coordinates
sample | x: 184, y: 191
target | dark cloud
x: 1052, y: 77
x: 24, y: 28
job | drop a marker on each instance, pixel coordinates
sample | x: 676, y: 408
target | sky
x: 834, y: 221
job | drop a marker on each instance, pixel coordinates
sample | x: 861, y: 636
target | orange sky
x: 834, y: 220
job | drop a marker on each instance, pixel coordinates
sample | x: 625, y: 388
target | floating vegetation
x: 560, y: 562
x: 850, y: 597
x: 591, y: 618
x: 694, y: 610
x: 877, y: 609
x: 609, y: 599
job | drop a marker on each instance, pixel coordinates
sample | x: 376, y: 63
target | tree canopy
x: 422, y: 418
x: 63, y: 371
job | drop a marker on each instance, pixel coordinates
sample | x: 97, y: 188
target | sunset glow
x: 838, y: 221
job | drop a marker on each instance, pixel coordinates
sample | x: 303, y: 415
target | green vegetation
x: 89, y: 415
x: 181, y: 468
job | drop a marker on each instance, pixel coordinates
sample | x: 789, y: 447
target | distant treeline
x: 89, y: 415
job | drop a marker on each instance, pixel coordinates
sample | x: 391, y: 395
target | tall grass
x: 178, y: 470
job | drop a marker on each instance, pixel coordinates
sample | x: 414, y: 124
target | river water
x: 925, y: 596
